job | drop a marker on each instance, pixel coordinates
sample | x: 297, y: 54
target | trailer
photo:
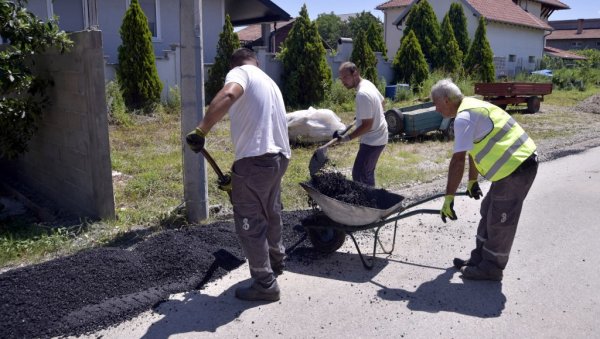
x: 415, y: 120
x: 503, y: 94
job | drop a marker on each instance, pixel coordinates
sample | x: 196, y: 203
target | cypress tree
x: 450, y: 54
x: 137, y: 72
x: 364, y: 58
x: 459, y: 27
x: 480, y: 60
x: 375, y: 39
x: 409, y: 64
x: 228, y: 42
x: 423, y: 22
x: 306, y: 74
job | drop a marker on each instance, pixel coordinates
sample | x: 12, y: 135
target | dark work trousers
x: 500, y: 212
x: 256, y: 198
x: 365, y: 162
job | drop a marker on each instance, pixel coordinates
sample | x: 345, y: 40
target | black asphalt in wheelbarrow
x: 328, y: 226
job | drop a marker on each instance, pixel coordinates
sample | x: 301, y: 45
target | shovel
x: 223, y: 179
x: 319, y: 158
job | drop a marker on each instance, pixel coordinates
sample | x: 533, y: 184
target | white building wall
x: 392, y: 35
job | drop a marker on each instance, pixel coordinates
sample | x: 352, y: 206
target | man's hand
x: 344, y: 138
x: 448, y: 209
x: 196, y: 139
x: 225, y: 183
x: 473, y: 190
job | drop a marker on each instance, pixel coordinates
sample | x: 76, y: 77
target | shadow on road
x: 483, y: 299
x: 197, y: 312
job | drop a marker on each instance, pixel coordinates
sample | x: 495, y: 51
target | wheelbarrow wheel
x: 326, y: 240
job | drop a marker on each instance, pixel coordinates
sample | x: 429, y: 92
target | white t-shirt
x: 369, y: 106
x: 258, y: 122
x: 468, y: 128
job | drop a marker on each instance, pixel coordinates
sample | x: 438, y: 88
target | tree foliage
x: 306, y: 74
x: 459, y: 27
x: 409, y: 64
x: 361, y: 23
x: 23, y: 93
x: 137, y: 72
x: 228, y: 42
x: 375, y: 38
x: 364, y: 58
x: 331, y: 27
x: 480, y: 60
x: 450, y: 55
x: 423, y: 22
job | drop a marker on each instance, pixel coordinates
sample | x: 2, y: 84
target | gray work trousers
x: 364, y: 165
x: 256, y: 198
x: 500, y: 212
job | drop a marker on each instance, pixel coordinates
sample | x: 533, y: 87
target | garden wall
x: 68, y: 162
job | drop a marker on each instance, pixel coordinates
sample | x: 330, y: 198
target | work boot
x: 258, y: 292
x: 459, y: 263
x: 477, y: 273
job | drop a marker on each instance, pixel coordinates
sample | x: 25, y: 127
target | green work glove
x: 225, y: 183
x: 473, y: 190
x: 448, y: 208
x: 196, y: 139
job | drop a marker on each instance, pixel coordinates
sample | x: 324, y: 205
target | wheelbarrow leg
x: 368, y: 263
x: 371, y: 262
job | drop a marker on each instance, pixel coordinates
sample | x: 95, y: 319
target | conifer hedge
x: 409, y: 64
x: 136, y: 71
x: 459, y: 27
x: 423, y: 22
x: 480, y: 60
x: 450, y: 54
x: 364, y: 58
x: 228, y: 42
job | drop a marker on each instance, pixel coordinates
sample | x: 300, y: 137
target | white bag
x: 313, y: 125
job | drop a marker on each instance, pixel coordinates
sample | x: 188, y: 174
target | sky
x: 580, y: 9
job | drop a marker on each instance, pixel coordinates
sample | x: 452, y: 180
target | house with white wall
x: 163, y: 19
x: 516, y: 29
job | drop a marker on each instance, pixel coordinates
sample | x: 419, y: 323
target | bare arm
x: 220, y: 105
x: 455, y: 172
x: 365, y: 126
x: 473, y: 172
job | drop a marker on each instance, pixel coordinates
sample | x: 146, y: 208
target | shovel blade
x: 226, y: 260
x: 317, y: 161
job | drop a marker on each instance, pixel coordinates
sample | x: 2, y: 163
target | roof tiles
x: 507, y: 11
x: 394, y: 4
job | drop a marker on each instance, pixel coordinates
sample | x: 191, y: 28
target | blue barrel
x: 390, y: 91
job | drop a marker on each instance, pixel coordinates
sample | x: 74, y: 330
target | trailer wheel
x: 395, y: 121
x: 533, y: 104
x: 326, y: 240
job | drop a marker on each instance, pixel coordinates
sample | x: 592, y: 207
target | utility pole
x: 195, y: 188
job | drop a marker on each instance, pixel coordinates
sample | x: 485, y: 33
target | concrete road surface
x: 551, y: 287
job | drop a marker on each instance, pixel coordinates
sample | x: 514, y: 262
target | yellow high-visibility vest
x: 502, y: 150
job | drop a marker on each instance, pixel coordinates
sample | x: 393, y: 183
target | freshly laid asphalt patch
x: 100, y: 287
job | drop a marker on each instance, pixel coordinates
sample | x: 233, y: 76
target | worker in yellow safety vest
x: 499, y: 150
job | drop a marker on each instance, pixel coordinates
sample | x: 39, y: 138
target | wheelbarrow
x: 333, y: 219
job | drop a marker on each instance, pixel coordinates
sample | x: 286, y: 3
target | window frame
x: 512, y: 58
x: 158, y: 37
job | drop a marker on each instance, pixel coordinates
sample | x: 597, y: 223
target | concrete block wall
x: 68, y: 161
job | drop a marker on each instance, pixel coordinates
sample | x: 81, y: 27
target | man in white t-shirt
x: 262, y: 151
x: 371, y: 126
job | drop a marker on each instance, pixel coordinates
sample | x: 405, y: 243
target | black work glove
x: 196, y: 139
x: 341, y: 138
x: 225, y: 183
x: 473, y: 190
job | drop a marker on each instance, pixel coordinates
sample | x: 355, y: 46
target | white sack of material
x: 313, y: 125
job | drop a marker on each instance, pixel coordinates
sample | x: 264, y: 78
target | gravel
x: 104, y: 286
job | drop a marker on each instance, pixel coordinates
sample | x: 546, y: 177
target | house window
x: 512, y: 58
x: 531, y: 59
x: 151, y: 9
x: 576, y: 44
x: 71, y: 15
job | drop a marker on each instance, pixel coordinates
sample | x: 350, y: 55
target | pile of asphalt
x: 104, y: 286
x: 335, y: 185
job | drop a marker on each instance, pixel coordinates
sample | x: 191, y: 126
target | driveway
x: 551, y: 287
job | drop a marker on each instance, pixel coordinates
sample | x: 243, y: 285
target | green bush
x: 364, y: 58
x: 423, y: 22
x: 480, y: 60
x: 22, y: 93
x: 228, y: 42
x: 409, y: 64
x: 117, y: 111
x: 450, y: 54
x: 136, y: 71
x: 375, y: 38
x: 338, y: 98
x: 174, y: 100
x: 306, y: 74
x: 458, y: 21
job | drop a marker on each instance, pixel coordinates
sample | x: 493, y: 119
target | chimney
x: 579, y: 26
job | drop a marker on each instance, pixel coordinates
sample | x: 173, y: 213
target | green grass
x: 148, y: 152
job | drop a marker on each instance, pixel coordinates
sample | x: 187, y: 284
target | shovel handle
x: 212, y: 163
x: 334, y: 140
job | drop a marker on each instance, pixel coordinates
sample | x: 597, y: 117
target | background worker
x: 260, y: 136
x: 371, y: 126
x: 503, y: 153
